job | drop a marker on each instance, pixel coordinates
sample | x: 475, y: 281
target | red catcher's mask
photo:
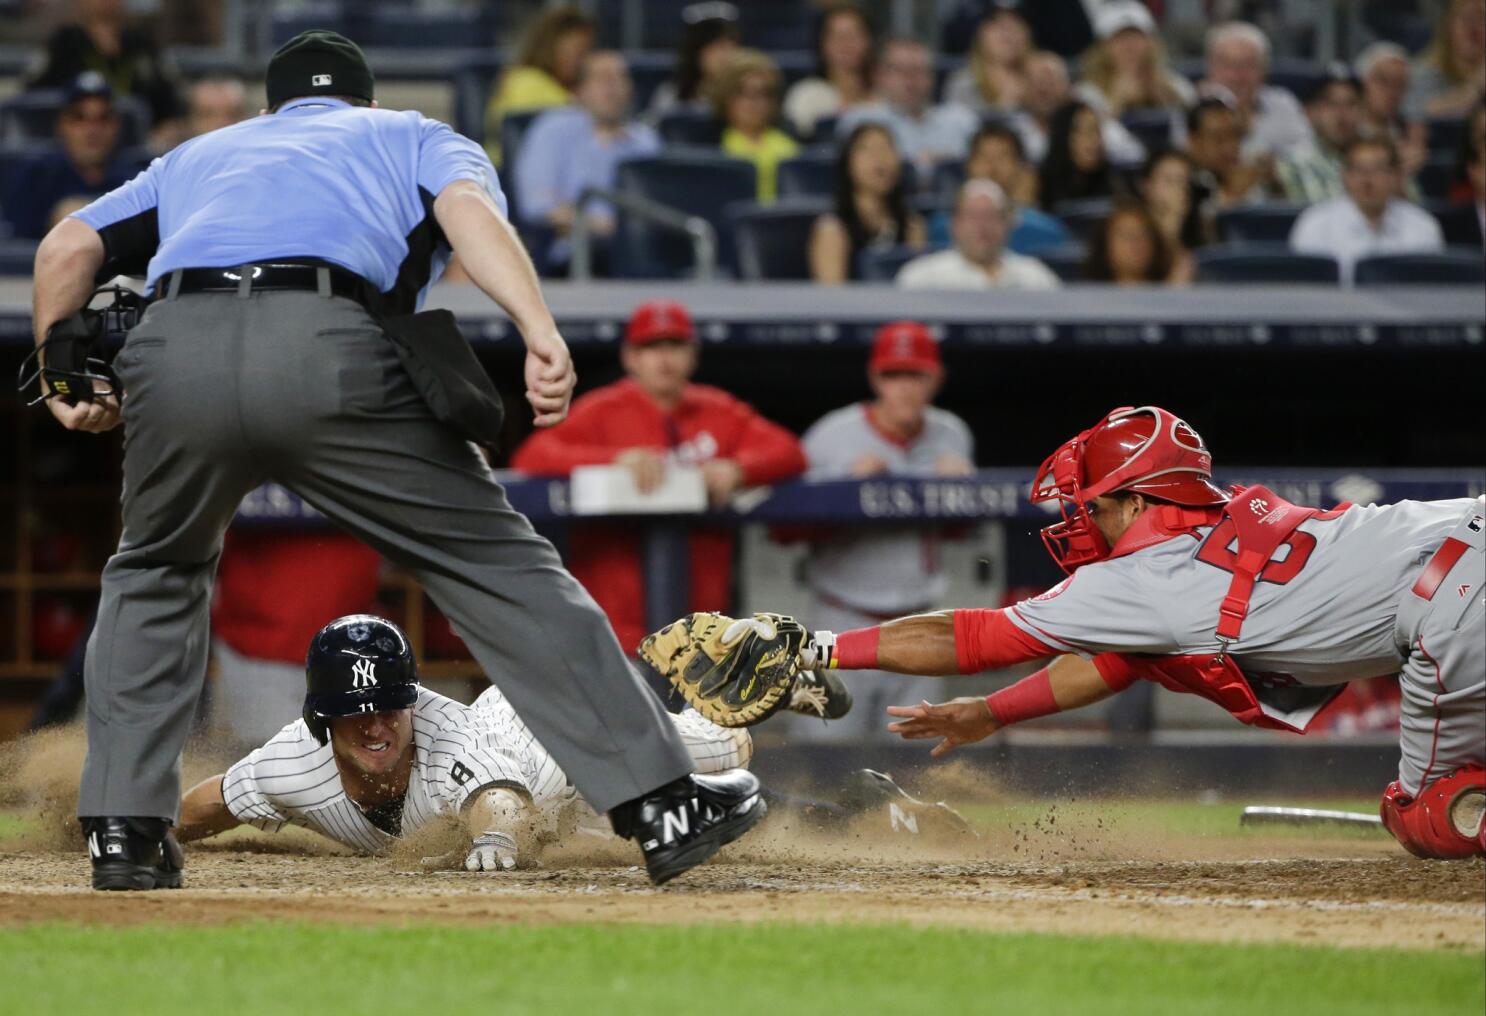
x: 1146, y: 451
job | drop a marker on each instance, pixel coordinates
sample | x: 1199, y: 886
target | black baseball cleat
x: 680, y: 825
x: 819, y: 693
x: 869, y: 791
x: 133, y: 853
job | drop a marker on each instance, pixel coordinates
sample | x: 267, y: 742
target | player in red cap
x: 1264, y: 607
x: 860, y: 576
x: 653, y: 418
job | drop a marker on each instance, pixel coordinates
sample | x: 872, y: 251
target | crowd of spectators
x: 1090, y: 153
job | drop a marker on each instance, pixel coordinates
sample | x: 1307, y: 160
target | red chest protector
x: 1261, y: 522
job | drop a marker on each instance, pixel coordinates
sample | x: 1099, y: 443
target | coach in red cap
x: 652, y: 419
x: 860, y: 576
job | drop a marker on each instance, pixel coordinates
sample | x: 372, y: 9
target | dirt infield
x: 1342, y: 893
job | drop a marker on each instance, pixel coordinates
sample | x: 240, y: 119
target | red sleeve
x: 766, y: 451
x: 1117, y: 670
x: 988, y: 640
x: 574, y: 442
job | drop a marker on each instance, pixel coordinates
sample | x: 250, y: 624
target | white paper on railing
x: 610, y: 490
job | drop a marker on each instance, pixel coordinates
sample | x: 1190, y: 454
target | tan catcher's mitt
x: 734, y: 672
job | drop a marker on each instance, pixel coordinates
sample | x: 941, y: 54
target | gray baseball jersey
x: 884, y: 570
x: 458, y: 750
x: 1331, y: 621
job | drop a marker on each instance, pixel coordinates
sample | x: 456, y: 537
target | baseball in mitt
x: 735, y: 672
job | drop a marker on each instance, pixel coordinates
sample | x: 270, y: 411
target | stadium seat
x: 1445, y: 134
x: 947, y: 180
x: 808, y: 175
x: 690, y: 127
x: 404, y: 28
x: 1066, y: 261
x: 883, y: 265
x: 1437, y: 176
x: 326, y: 14
x: 1270, y: 223
x: 773, y: 243
x: 1083, y: 216
x: 1270, y: 264
x: 1299, y: 76
x: 1459, y: 223
x: 696, y: 183
x: 1457, y: 266
x: 17, y: 257
x: 513, y: 128
x: 1151, y: 127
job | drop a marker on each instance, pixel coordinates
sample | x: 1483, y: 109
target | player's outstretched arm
x: 942, y: 642
x: 204, y: 811
x: 1069, y: 682
x: 499, y: 822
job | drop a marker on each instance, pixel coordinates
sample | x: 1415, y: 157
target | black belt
x: 263, y: 277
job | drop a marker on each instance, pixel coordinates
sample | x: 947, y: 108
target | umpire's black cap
x: 318, y: 62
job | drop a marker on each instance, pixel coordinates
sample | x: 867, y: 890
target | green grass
x: 760, y: 969
x: 1177, y: 817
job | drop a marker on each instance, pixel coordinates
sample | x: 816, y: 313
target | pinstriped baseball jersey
x: 457, y: 751
x: 1323, y: 615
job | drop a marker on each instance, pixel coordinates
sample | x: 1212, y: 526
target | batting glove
x: 492, y: 851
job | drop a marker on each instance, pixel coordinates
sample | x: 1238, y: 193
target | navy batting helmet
x: 357, y: 664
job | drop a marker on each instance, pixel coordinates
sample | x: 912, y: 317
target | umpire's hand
x: 94, y: 417
x: 549, y: 378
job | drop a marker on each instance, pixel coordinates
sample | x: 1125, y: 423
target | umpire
x: 286, y: 254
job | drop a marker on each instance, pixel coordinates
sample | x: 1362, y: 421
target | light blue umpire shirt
x: 320, y: 178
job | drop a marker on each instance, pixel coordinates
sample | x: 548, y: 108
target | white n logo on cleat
x: 93, y: 847
x: 363, y: 674
x: 675, y: 824
x: 899, y: 816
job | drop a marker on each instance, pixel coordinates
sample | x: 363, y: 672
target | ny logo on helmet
x: 363, y: 674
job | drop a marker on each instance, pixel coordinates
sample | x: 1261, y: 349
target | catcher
x: 375, y: 757
x: 1264, y: 607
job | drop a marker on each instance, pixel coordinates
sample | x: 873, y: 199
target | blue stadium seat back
x: 825, y: 130
x: 948, y: 178
x: 1151, y: 127
x: 1299, y: 77
x: 513, y: 127
x: 1436, y: 176
x: 884, y: 265
x: 17, y: 257
x: 648, y: 70
x: 1267, y: 264
x: 1457, y: 266
x: 1066, y: 260
x: 474, y: 80
x: 1459, y: 223
x: 1445, y: 134
x: 808, y: 175
x: 690, y: 127
x: 327, y: 14
x: 1267, y: 223
x: 1193, y: 68
x: 1083, y: 216
x: 33, y: 116
x: 392, y: 27
x: 693, y: 182
x: 15, y: 156
x: 773, y: 242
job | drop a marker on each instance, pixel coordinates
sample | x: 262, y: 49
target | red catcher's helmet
x: 1147, y: 451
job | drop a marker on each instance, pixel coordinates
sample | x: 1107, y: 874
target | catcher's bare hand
x: 961, y: 721
x: 93, y: 417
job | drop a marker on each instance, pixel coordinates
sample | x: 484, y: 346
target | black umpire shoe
x: 819, y: 693
x: 133, y: 853
x: 680, y: 825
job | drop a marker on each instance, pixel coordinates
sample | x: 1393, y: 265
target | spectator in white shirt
x: 1237, y: 63
x: 924, y: 133
x: 983, y: 219
x: 1371, y: 219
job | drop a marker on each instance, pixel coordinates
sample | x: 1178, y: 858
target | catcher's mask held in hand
x: 66, y: 364
x: 1146, y: 451
x: 734, y: 672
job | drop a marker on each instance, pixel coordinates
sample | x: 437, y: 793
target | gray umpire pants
x: 225, y: 392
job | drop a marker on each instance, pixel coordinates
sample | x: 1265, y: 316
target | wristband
x: 1028, y: 699
x: 856, y: 649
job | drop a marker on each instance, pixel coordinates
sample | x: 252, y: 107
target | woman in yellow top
x: 746, y: 100
x: 544, y: 71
